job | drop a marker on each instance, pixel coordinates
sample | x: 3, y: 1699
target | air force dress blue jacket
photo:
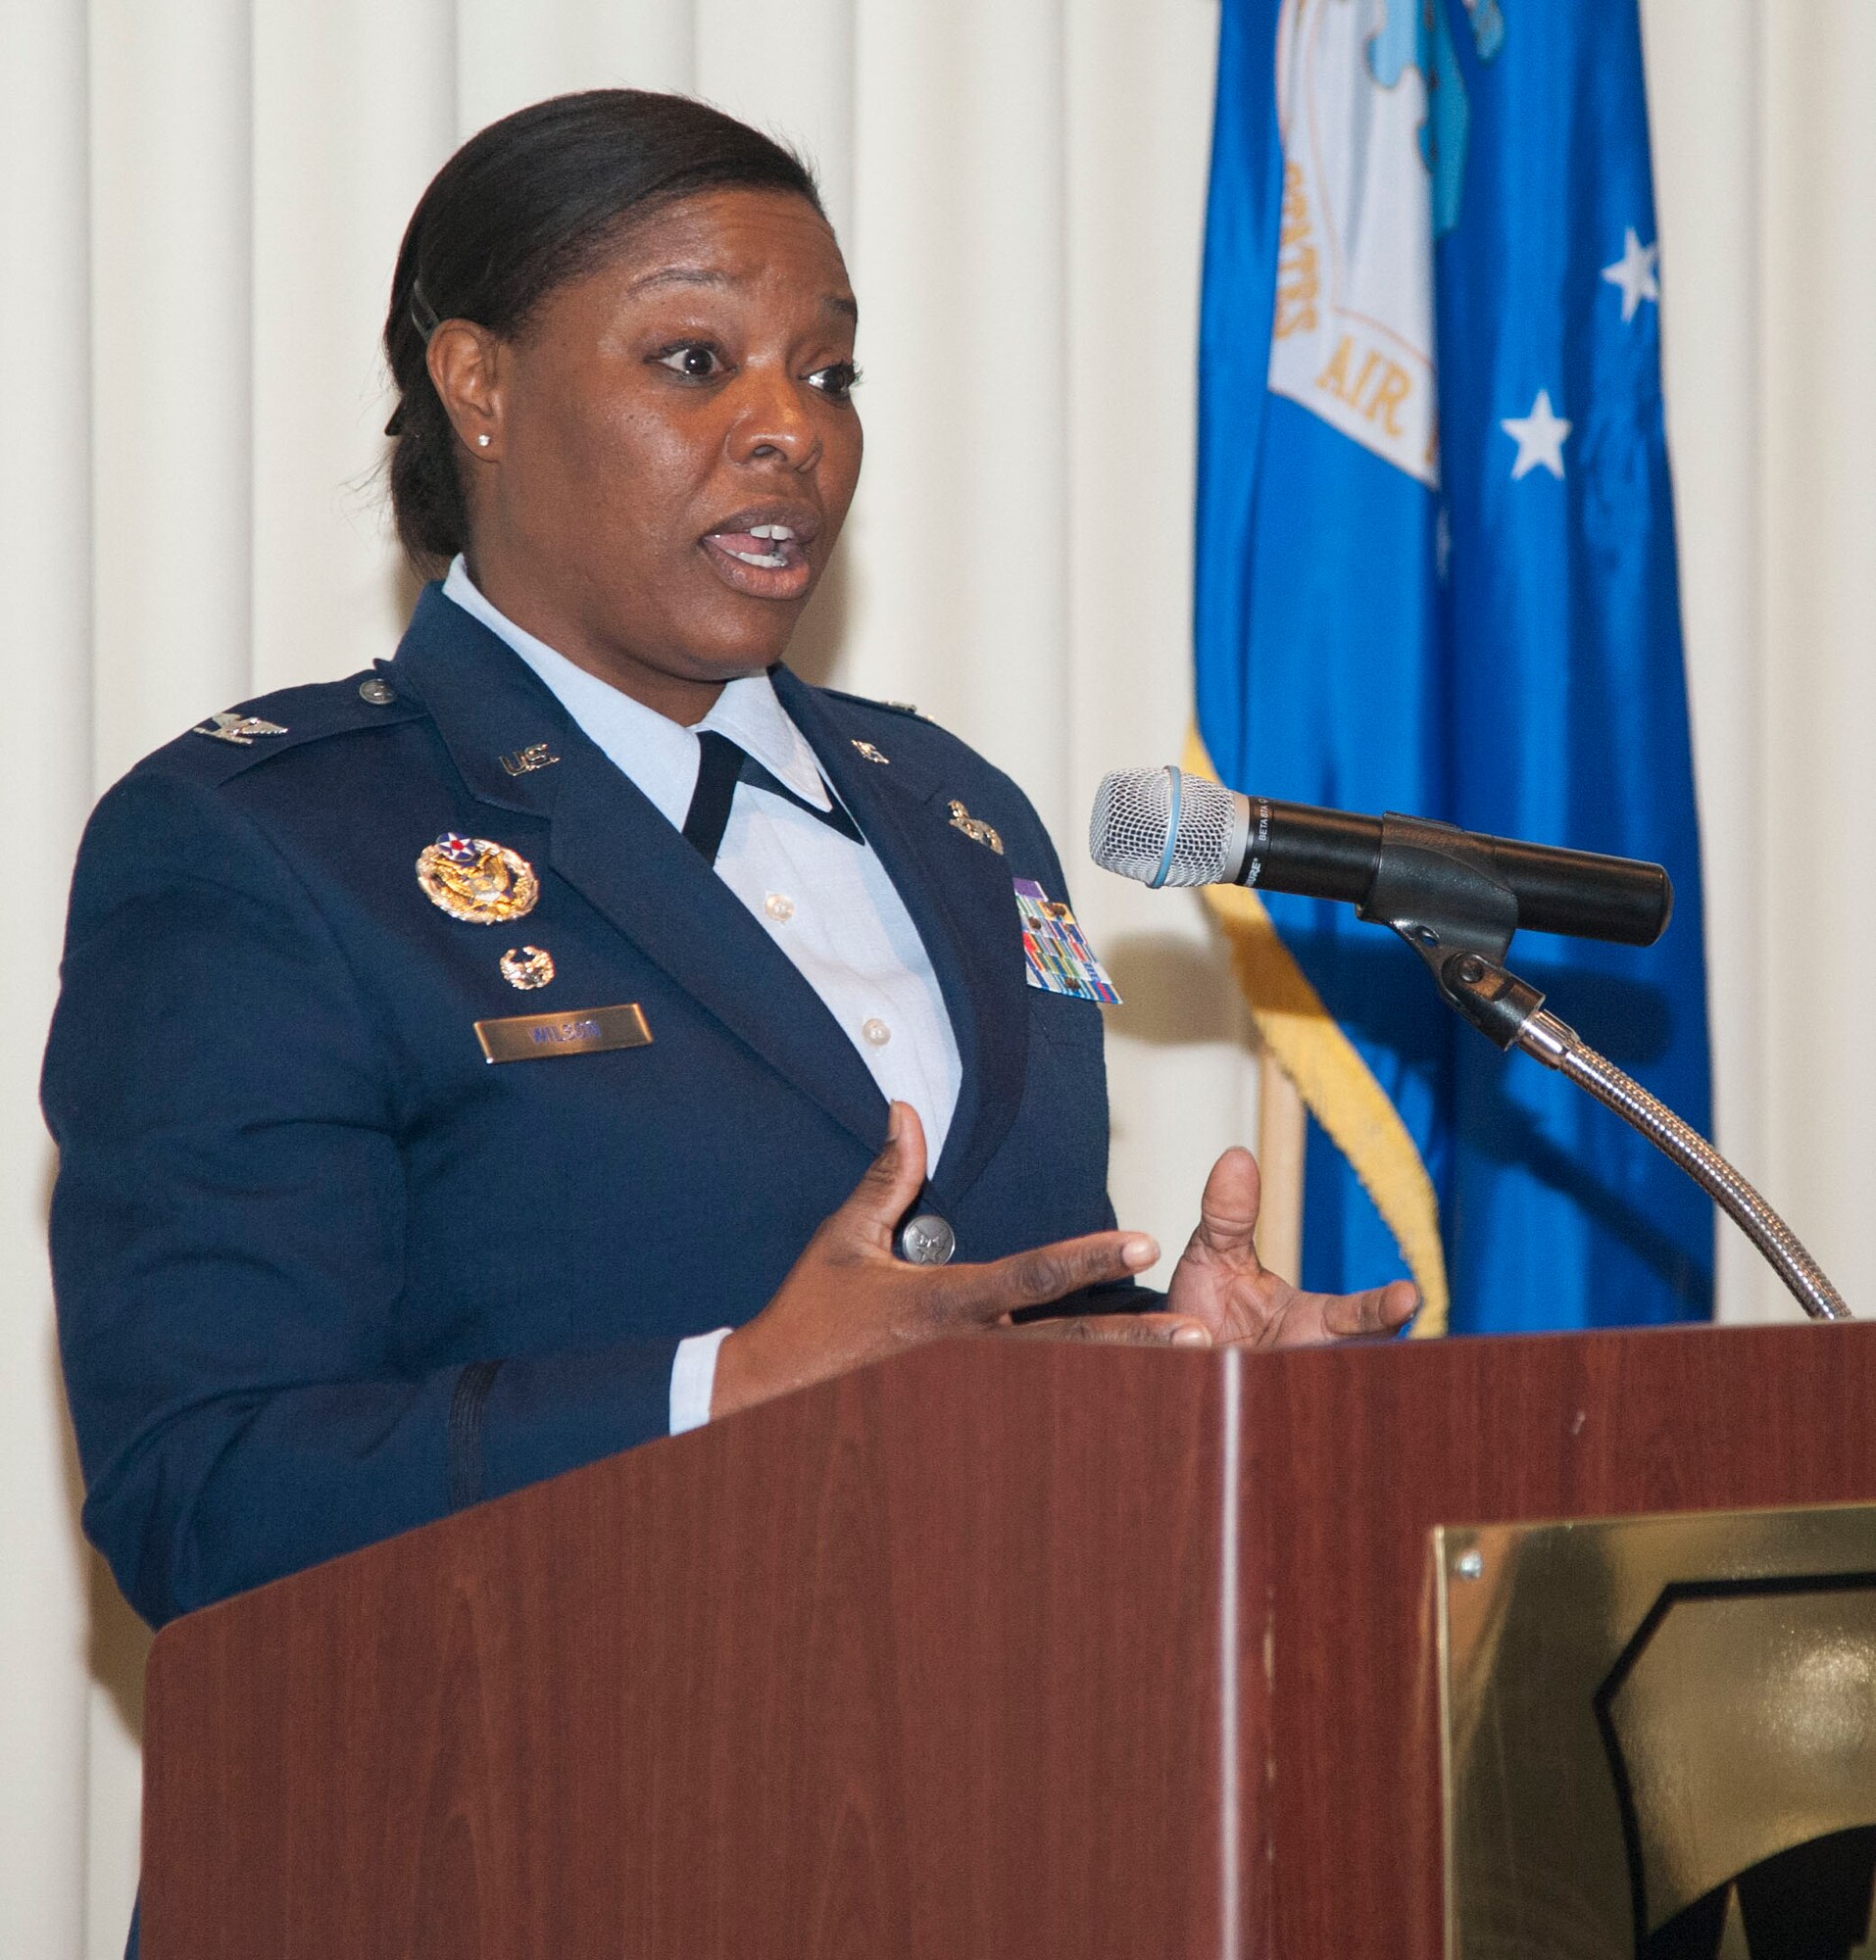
x: 325, y: 1272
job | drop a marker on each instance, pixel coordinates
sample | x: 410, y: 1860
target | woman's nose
x: 773, y: 423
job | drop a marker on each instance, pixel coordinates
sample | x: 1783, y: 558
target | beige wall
x: 1766, y: 176
x: 201, y: 203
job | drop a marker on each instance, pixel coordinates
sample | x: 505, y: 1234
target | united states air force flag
x: 1436, y: 575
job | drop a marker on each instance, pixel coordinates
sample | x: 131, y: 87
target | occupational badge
x: 527, y: 968
x: 974, y: 828
x: 476, y: 881
x: 1056, y: 953
x: 868, y: 750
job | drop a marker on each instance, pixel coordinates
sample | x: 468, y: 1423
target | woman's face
x: 672, y: 446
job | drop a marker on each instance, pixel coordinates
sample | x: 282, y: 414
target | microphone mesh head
x: 1133, y: 810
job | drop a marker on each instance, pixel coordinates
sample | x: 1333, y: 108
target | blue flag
x: 1436, y: 575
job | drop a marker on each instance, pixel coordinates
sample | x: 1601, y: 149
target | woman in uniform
x: 577, y: 1027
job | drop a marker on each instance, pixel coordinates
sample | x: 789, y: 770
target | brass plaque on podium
x: 1659, y: 1737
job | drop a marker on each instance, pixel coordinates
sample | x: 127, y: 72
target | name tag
x: 589, y: 1031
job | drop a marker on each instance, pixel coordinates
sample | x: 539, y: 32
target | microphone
x: 1165, y: 827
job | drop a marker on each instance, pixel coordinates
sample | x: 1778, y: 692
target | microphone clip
x: 1436, y: 886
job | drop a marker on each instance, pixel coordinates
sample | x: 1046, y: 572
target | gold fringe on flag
x: 1339, y: 1087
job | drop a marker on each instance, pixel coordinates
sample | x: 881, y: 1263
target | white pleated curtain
x: 199, y: 205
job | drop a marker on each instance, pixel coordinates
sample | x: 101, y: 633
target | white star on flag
x: 1539, y: 437
x: 1634, y: 273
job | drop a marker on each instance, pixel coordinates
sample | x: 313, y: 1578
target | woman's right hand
x: 848, y: 1299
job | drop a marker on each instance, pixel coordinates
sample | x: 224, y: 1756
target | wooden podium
x: 997, y: 1651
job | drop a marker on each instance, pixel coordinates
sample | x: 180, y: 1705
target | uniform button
x: 876, y: 1032
x: 779, y: 905
x: 927, y: 1241
x: 379, y: 693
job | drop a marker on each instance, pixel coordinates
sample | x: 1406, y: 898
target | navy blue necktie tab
x: 722, y: 764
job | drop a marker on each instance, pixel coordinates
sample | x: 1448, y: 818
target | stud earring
x: 482, y: 442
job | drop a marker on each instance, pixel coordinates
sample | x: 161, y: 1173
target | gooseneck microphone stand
x: 1443, y: 897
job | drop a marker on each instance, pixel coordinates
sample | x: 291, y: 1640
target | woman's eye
x: 837, y: 382
x: 693, y: 360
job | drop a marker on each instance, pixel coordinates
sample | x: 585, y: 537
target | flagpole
x: 1282, y: 1137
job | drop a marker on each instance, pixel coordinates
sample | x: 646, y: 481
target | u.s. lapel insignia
x: 868, y: 750
x: 536, y: 755
x: 476, y: 881
x: 527, y: 968
x: 237, y: 728
x: 974, y: 828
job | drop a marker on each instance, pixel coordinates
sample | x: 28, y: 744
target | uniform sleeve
x: 228, y: 1234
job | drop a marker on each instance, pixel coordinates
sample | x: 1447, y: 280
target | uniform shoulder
x: 899, y: 728
x: 904, y: 707
x: 255, y: 732
x: 942, y: 759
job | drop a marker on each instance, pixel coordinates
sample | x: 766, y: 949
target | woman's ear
x: 466, y: 363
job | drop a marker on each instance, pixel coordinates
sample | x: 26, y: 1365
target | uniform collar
x: 659, y: 755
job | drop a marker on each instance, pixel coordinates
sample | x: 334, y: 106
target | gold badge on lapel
x: 974, y: 828
x: 868, y: 750
x: 476, y: 881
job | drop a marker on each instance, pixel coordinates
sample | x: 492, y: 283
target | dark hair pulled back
x: 525, y: 206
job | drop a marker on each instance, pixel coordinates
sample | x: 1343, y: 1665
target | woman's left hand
x: 1220, y: 1281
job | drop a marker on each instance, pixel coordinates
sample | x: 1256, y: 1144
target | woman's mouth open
x: 767, y: 560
